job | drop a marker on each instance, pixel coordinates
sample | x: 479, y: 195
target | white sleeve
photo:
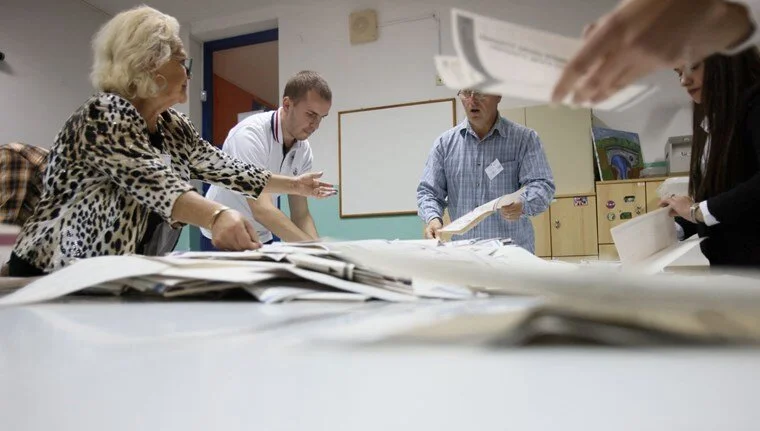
x: 753, y: 9
x: 680, y: 234
x: 710, y: 220
x: 249, y: 145
x: 307, y: 162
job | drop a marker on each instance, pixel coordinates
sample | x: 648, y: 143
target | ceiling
x: 187, y: 11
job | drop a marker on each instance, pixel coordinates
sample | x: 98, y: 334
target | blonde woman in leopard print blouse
x: 123, y: 161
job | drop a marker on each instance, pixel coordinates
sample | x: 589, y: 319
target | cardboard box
x: 678, y: 154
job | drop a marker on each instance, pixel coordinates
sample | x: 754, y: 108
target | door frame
x: 207, y: 105
x: 207, y: 111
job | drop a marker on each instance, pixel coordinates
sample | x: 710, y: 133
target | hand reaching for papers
x: 640, y: 36
x: 309, y: 185
x: 231, y: 231
x: 432, y: 228
x: 679, y: 206
x: 512, y: 212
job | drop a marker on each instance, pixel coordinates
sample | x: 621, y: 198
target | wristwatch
x: 696, y: 213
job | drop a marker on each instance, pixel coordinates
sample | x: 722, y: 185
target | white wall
x: 399, y: 68
x: 47, y: 44
x: 45, y: 75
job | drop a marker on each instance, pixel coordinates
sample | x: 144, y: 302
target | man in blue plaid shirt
x: 482, y: 159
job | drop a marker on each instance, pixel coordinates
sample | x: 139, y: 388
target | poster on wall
x: 617, y: 153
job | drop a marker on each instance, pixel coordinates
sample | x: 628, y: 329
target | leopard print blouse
x: 103, y: 178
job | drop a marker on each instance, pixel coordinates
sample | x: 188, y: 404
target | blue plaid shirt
x: 455, y: 169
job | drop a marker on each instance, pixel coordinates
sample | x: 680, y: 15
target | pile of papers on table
x: 575, y: 302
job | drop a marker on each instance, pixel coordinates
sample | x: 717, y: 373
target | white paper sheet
x: 498, y: 57
x: 472, y: 218
x: 678, y: 186
x: 82, y: 274
x: 663, y: 258
x: 350, y: 286
x: 454, y: 266
x: 278, y: 291
x: 641, y: 237
x: 648, y: 243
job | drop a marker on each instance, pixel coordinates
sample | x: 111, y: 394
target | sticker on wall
x: 580, y: 201
x: 611, y: 216
x: 629, y: 199
x: 610, y: 205
x: 626, y: 216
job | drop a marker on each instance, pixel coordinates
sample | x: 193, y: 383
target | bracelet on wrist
x: 694, y: 210
x: 216, y: 215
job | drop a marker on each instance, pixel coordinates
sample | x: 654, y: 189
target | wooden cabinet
x: 542, y: 230
x: 514, y: 114
x: 618, y: 201
x: 566, y: 136
x: 573, y: 226
x: 608, y: 252
x: 653, y: 199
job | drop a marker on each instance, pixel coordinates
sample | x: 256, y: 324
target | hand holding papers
x: 472, y: 218
x: 497, y: 57
x: 648, y: 243
x: 640, y: 36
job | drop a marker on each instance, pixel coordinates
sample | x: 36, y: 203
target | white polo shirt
x: 257, y: 140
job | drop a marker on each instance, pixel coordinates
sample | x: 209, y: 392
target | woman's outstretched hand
x: 308, y: 184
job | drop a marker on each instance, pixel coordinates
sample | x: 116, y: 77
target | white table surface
x: 247, y: 366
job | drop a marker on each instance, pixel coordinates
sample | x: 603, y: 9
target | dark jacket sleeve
x: 688, y: 227
x: 741, y: 204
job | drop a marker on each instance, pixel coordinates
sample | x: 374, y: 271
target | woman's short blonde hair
x: 130, y: 47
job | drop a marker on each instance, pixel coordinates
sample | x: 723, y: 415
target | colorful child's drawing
x: 618, y: 154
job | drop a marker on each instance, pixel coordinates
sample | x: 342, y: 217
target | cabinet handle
x: 556, y: 224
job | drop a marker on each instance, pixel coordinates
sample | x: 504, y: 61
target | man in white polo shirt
x: 277, y: 140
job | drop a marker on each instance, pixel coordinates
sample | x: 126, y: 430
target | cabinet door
x: 653, y: 199
x: 573, y: 227
x: 541, y: 227
x: 616, y: 204
x: 566, y: 136
x: 515, y: 114
x: 608, y: 252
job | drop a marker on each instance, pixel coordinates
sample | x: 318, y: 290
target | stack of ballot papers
x: 558, y: 300
x: 607, y: 306
x: 497, y: 57
x: 275, y: 273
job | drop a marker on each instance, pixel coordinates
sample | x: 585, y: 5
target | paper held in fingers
x: 498, y: 57
x: 472, y: 218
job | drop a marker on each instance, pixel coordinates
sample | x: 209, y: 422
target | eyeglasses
x: 466, y: 94
x: 187, y: 63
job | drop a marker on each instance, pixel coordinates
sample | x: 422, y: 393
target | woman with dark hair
x: 724, y: 180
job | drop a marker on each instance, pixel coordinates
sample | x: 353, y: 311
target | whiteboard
x: 382, y: 152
